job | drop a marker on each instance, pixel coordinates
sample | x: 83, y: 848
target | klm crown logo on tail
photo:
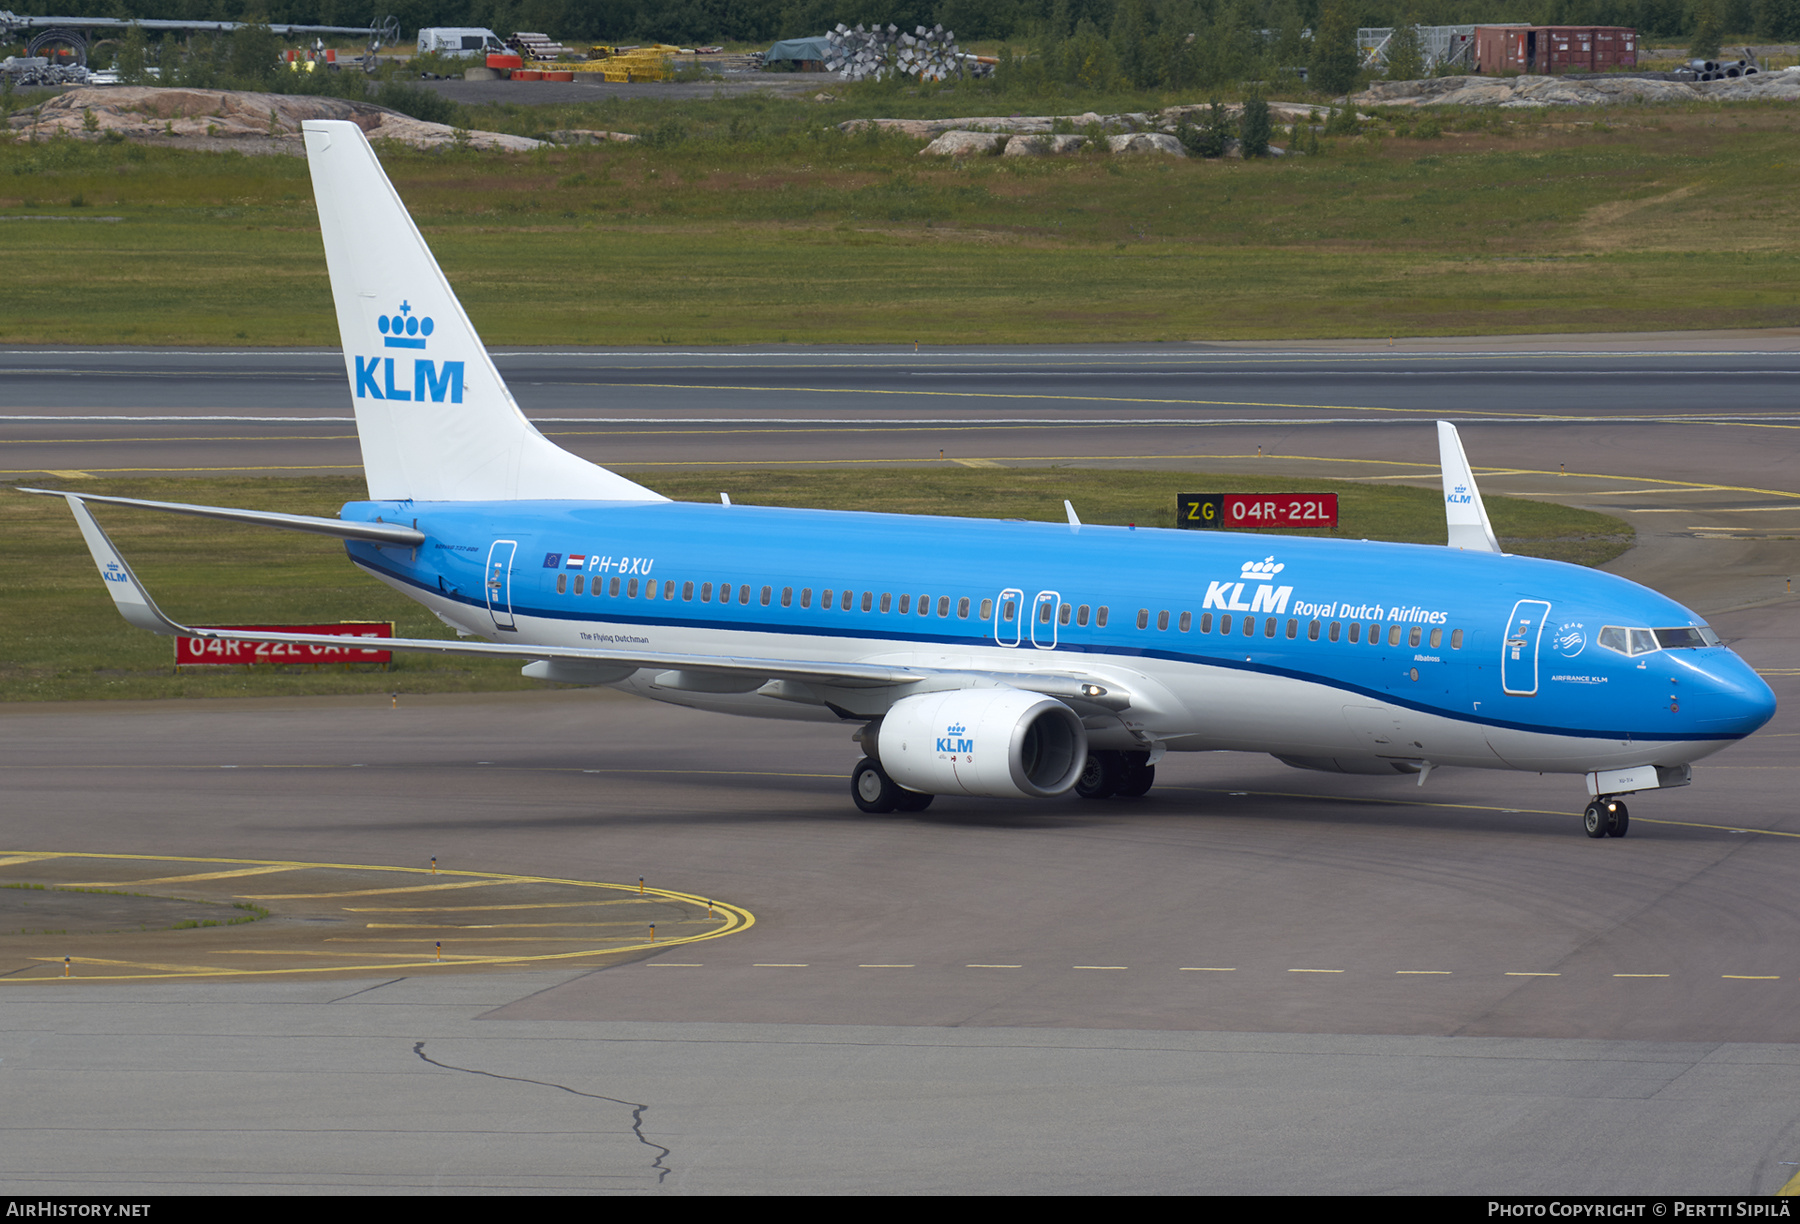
x: 406, y: 330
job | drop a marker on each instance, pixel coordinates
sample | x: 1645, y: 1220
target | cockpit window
x: 1688, y: 637
x: 1647, y: 641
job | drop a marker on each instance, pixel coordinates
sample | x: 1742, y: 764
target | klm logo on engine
x: 375, y: 376
x: 955, y: 739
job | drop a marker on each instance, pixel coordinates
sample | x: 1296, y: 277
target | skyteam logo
x: 405, y: 329
x: 955, y: 739
x: 1228, y: 596
x: 1569, y: 639
x: 376, y: 377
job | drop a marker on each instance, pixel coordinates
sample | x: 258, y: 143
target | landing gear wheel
x: 1621, y: 819
x: 911, y: 800
x: 1596, y: 820
x: 874, y: 792
x: 1139, y: 777
x: 1101, y: 775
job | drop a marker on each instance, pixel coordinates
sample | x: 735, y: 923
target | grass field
x: 753, y: 220
x: 60, y: 638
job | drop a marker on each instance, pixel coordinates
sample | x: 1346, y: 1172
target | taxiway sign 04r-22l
x: 973, y: 657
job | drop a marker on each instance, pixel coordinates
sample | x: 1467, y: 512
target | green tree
x: 134, y: 56
x: 254, y: 54
x: 1705, y: 41
x: 1335, y: 59
x: 1255, y: 128
x: 1406, y: 52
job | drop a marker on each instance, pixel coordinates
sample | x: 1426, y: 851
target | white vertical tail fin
x: 435, y: 418
x: 1468, y: 520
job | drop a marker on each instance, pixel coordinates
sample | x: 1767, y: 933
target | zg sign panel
x: 1254, y: 511
x: 193, y: 652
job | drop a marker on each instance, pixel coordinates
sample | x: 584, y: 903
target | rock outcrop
x: 233, y: 118
x: 1539, y: 91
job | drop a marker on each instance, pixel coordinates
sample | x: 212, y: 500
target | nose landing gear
x: 1605, y: 817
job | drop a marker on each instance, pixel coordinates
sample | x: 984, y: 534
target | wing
x: 135, y: 604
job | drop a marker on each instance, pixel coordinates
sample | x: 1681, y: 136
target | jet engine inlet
x: 998, y: 742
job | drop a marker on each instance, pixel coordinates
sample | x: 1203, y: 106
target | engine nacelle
x: 1000, y: 743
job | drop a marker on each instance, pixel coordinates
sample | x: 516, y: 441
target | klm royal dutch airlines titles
x: 971, y: 657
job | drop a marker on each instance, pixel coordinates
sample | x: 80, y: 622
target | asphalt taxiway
x: 1253, y: 980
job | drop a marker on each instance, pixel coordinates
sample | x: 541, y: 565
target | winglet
x: 1074, y: 522
x: 133, y: 601
x: 1468, y: 520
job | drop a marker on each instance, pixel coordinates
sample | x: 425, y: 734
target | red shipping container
x: 1552, y: 50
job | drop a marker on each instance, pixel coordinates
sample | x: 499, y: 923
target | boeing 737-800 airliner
x: 973, y: 657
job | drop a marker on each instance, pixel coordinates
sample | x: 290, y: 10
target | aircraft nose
x: 1736, y: 700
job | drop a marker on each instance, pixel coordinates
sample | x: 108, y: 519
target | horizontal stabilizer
x: 1468, y: 519
x: 379, y: 533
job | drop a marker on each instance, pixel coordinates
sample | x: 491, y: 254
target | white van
x: 460, y: 42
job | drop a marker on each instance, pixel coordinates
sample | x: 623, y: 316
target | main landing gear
x: 878, y: 794
x: 1605, y: 817
x: 1127, y: 774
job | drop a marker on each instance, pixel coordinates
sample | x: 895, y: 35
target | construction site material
x: 874, y: 53
x: 1445, y: 46
x: 538, y: 47
x: 1553, y: 50
x: 253, y: 122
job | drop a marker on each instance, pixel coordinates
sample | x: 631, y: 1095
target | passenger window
x: 1332, y: 633
x: 1293, y: 629
x: 1456, y: 639
x: 1081, y: 615
x: 1006, y: 611
x: 806, y: 597
x: 1437, y: 638
x: 825, y: 601
x: 962, y: 609
x: 944, y: 609
x: 669, y: 589
x: 1044, y: 611
x: 706, y: 592
x: 987, y: 609
x: 649, y: 588
x: 1225, y: 625
x: 848, y: 600
x: 1269, y: 627
x: 562, y: 584
x: 868, y: 601
x: 1393, y: 635
x: 1143, y: 618
x: 1249, y: 626
x: 1206, y: 622
x: 1100, y: 617
x: 1162, y: 620
x: 1187, y: 621
x: 787, y: 597
x: 1355, y: 632
x: 580, y: 583
x: 743, y: 593
x: 631, y: 589
x: 924, y: 605
x: 905, y: 604
x: 1312, y: 631
x: 612, y: 588
x: 887, y: 602
x: 687, y: 592
x: 1413, y: 638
